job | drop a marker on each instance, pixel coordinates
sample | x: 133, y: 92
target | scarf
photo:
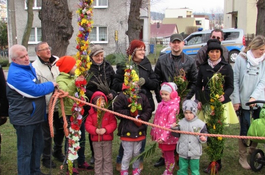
x: 214, y: 63
x: 252, y: 60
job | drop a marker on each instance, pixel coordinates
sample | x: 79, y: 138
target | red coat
x: 109, y: 122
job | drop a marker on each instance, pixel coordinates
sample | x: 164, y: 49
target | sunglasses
x: 216, y: 37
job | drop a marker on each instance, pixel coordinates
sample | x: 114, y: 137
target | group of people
x: 30, y: 86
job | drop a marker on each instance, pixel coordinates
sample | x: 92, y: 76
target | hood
x: 98, y: 93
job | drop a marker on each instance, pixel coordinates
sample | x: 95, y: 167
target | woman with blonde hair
x: 249, y: 84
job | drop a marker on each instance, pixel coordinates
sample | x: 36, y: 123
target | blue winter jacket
x: 26, y: 95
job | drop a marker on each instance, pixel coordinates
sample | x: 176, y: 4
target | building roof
x: 164, y: 30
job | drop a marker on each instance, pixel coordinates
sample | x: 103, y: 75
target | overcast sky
x: 196, y: 5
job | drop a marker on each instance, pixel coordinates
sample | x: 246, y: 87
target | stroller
x: 257, y: 128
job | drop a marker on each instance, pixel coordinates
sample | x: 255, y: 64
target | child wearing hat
x: 66, y: 82
x: 132, y: 133
x: 189, y: 147
x: 101, y: 134
x: 165, y: 116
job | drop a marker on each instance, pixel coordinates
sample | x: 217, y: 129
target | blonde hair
x: 256, y: 43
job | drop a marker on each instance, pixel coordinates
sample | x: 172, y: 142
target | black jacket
x: 103, y: 71
x: 146, y: 72
x: 166, y: 70
x: 206, y: 72
x: 126, y: 126
x: 3, y: 99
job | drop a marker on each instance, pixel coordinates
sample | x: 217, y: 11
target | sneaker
x: 48, y: 163
x: 85, y: 166
x: 75, y: 172
x: 59, y: 156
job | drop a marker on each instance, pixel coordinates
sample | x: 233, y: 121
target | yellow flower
x: 82, y: 93
x: 77, y: 72
x: 217, y: 96
x: 212, y: 107
x: 135, y: 77
x: 211, y: 100
x: 128, y: 134
x: 140, y: 133
x: 78, y: 63
x: 220, y: 138
x: 214, y: 127
x: 84, y: 21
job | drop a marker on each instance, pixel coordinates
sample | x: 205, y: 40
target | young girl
x: 131, y: 133
x: 101, y: 134
x: 189, y: 147
x: 165, y: 117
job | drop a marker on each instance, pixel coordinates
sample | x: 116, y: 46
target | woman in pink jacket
x: 165, y: 117
x: 101, y: 125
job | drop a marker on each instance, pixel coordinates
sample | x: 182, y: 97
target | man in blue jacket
x: 27, y: 109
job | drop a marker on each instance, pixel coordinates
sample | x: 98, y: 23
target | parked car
x: 234, y: 41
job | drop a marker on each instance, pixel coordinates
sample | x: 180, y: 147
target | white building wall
x: 175, y: 13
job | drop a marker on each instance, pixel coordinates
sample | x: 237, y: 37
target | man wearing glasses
x: 201, y: 56
x: 46, y: 69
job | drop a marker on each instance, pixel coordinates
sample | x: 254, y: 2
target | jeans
x: 82, y: 142
x: 244, y: 120
x: 58, y: 137
x: 29, y: 148
x: 120, y: 155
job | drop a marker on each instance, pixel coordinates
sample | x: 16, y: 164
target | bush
x: 4, y: 62
x: 115, y: 58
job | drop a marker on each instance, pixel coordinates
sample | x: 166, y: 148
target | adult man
x: 169, y: 65
x: 46, y: 69
x: 26, y: 99
x: 201, y: 56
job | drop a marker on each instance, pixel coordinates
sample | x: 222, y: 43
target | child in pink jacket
x: 165, y: 116
x: 101, y: 134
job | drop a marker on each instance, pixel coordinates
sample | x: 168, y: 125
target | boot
x: 243, y: 155
x: 136, y: 171
x: 124, y: 172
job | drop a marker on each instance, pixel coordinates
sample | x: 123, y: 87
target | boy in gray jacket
x: 189, y: 147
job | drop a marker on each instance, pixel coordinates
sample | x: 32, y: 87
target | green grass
x: 230, y: 159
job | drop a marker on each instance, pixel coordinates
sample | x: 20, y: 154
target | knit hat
x: 168, y: 87
x: 190, y: 105
x: 135, y: 44
x: 66, y: 63
x: 176, y: 37
x: 95, y: 50
x: 214, y: 44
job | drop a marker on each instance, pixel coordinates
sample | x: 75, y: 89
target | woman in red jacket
x: 101, y: 125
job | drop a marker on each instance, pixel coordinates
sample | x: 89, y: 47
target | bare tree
x: 260, y: 30
x: 27, y: 31
x: 134, y: 21
x: 56, y: 23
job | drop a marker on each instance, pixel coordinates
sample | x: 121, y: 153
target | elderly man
x: 26, y: 97
x: 201, y: 56
x: 46, y: 69
x: 169, y: 65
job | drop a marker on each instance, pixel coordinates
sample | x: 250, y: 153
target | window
x: 35, y: 35
x: 36, y: 5
x: 99, y: 35
x: 198, y: 23
x: 197, y: 39
x: 101, y: 4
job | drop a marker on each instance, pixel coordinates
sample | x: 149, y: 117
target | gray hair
x: 39, y: 44
x: 13, y: 51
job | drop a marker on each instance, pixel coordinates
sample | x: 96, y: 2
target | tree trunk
x: 134, y: 22
x: 27, y: 31
x: 56, y: 23
x: 260, y: 30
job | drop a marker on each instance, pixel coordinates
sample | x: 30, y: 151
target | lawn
x: 230, y: 159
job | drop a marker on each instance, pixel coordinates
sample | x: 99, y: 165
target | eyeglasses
x: 45, y: 49
x: 216, y: 37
